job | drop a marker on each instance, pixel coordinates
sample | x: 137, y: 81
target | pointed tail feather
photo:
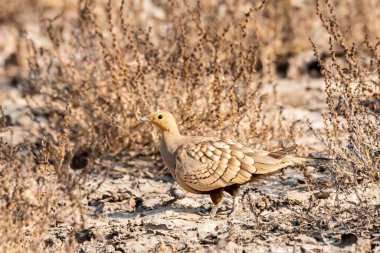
x: 269, y: 163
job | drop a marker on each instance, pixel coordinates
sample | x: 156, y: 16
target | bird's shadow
x: 161, y: 208
x: 152, y: 212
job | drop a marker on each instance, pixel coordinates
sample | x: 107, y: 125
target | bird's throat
x: 172, y: 140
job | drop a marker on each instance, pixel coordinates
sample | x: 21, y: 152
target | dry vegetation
x: 87, y: 70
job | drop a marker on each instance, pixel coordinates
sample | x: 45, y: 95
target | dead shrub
x: 215, y: 64
x: 115, y: 68
x: 352, y: 130
x: 38, y: 190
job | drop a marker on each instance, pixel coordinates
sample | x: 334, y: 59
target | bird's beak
x: 145, y: 118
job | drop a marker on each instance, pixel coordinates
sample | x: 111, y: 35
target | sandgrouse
x: 211, y: 165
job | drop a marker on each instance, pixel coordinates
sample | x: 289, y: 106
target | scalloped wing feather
x: 205, y: 164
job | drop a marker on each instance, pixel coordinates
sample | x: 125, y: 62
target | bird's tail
x: 272, y: 162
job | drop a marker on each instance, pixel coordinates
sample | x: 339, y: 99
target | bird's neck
x: 172, y: 139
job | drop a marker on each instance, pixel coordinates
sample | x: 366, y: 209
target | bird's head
x: 163, y: 120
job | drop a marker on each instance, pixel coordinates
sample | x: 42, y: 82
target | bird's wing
x: 211, y: 163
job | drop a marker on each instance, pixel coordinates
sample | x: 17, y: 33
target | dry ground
x: 79, y: 173
x: 139, y: 208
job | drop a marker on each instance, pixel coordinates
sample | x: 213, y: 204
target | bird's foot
x: 213, y: 212
x: 232, y: 213
x: 235, y: 207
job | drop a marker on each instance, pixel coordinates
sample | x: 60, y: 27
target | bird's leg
x: 233, y: 191
x: 234, y: 205
x: 216, y: 198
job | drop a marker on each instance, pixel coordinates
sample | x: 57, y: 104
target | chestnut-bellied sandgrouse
x: 211, y: 165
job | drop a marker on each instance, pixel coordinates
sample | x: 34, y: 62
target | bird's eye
x: 160, y: 116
